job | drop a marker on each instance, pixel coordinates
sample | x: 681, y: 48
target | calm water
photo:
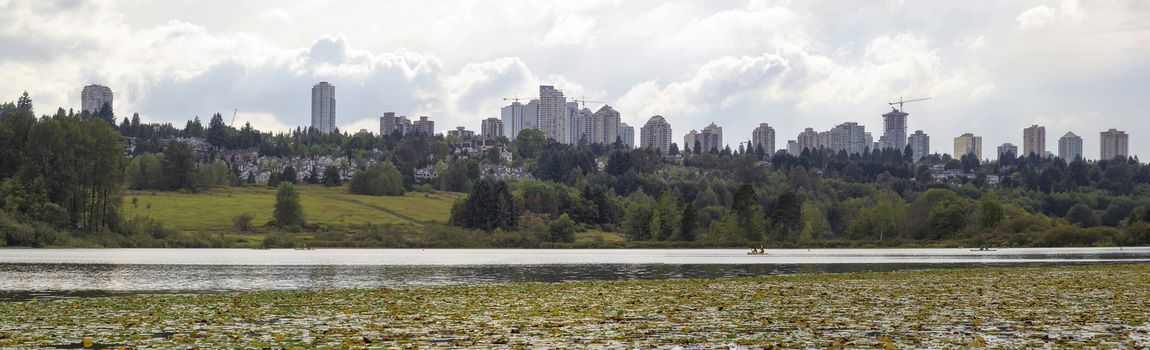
x: 55, y: 272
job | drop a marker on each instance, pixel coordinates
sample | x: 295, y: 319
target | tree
x: 289, y: 174
x: 562, y: 230
x: 488, y: 207
x: 674, y: 150
x: 24, y: 104
x: 180, y: 166
x: 787, y: 215
x: 1082, y: 215
x: 689, y: 224
x: 331, y: 176
x: 243, y: 222
x: 529, y: 143
x: 217, y: 133
x: 990, y: 212
x: 377, y: 180
x: 288, y: 210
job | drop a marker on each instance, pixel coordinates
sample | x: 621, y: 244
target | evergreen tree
x: 689, y: 224
x: 180, y: 166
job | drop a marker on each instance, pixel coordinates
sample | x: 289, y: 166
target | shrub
x: 243, y: 222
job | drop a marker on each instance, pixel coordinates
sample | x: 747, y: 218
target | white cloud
x: 571, y: 30
x: 1042, y: 15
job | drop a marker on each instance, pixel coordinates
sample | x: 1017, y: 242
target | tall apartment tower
x: 491, y: 128
x: 94, y: 97
x: 605, y: 125
x: 656, y: 134
x: 1114, y: 143
x: 919, y: 145
x: 808, y: 139
x: 1034, y: 141
x: 709, y: 140
x: 579, y: 124
x: 764, y: 137
x: 1070, y: 146
x: 323, y: 107
x: 553, y: 113
x: 390, y: 124
x: 893, y: 130
x: 513, y: 119
x: 850, y: 137
x: 968, y: 144
x: 424, y: 125
x: 627, y: 135
x: 1007, y: 149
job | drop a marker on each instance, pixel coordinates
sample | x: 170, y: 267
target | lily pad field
x: 1099, y: 306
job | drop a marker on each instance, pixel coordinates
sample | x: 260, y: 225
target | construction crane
x: 900, y: 102
x: 583, y: 103
x: 515, y: 99
x: 233, y: 123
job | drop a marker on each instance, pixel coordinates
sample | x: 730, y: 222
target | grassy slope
x: 215, y: 209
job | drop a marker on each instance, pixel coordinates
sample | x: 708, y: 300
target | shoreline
x: 1092, y: 306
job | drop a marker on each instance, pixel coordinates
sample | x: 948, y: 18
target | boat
x: 756, y: 253
x: 984, y: 249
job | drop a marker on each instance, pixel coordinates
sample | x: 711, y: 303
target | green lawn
x: 214, y: 209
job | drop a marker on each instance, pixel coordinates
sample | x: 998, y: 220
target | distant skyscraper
x: 919, y: 145
x: 605, y: 125
x: 553, y: 113
x: 1034, y: 141
x: 968, y: 144
x: 1007, y: 150
x: 808, y: 139
x: 461, y: 133
x: 94, y: 97
x: 389, y: 124
x: 849, y: 137
x: 323, y: 107
x: 513, y: 116
x: 764, y: 137
x: 1114, y: 143
x: 1070, y: 146
x: 627, y: 135
x: 893, y: 130
x: 793, y: 148
x: 424, y: 125
x: 580, y: 125
x: 656, y: 134
x: 709, y: 140
x: 491, y: 128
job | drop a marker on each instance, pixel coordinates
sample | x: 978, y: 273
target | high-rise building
x: 656, y: 134
x: 1114, y: 144
x: 94, y: 97
x: 323, y: 107
x: 919, y: 145
x: 893, y: 130
x: 461, y: 133
x: 1070, y: 146
x: 553, y: 113
x: 390, y: 124
x: 808, y: 139
x: 580, y: 125
x: 605, y: 125
x: 968, y: 144
x: 793, y: 148
x: 1034, y: 141
x: 850, y: 137
x: 424, y: 125
x: 513, y: 117
x: 491, y: 128
x: 709, y: 140
x: 627, y: 135
x: 1007, y: 150
x: 764, y: 137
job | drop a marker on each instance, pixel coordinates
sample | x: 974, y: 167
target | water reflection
x: 77, y: 272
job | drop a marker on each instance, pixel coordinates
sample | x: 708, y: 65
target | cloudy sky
x: 991, y: 67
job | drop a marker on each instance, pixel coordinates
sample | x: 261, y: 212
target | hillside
x: 214, y: 210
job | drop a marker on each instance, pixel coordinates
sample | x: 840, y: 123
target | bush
x: 378, y: 180
x: 243, y: 222
x: 288, y: 210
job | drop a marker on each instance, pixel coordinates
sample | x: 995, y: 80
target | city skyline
x: 1007, y: 65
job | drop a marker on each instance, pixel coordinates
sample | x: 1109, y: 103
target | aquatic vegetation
x: 1093, y: 306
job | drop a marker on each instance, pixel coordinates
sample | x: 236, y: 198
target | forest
x: 63, y: 178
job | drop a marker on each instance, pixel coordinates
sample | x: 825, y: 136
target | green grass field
x: 214, y: 209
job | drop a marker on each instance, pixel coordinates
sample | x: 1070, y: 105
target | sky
x: 990, y: 67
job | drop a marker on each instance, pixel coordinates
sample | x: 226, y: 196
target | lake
x: 63, y: 272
